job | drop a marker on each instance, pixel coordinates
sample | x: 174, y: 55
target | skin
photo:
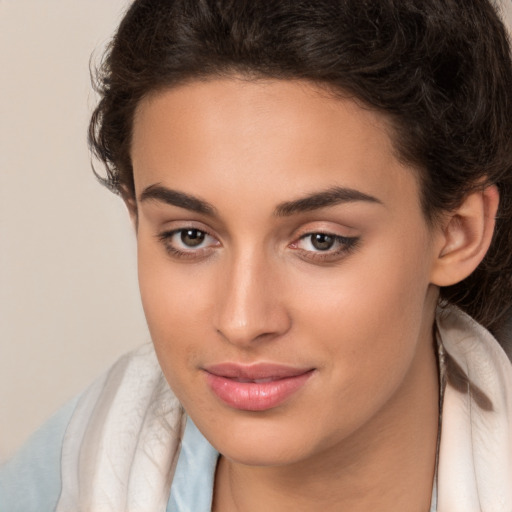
x: 361, y: 433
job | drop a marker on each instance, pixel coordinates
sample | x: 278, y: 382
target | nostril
x: 258, y: 329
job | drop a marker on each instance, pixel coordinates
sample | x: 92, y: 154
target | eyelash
x: 346, y: 245
x: 167, y: 236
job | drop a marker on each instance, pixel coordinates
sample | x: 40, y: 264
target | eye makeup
x: 192, y: 243
x: 320, y: 246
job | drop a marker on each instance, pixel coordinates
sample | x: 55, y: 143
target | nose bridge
x: 249, y: 306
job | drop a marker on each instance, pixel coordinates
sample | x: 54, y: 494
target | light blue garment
x: 30, y: 481
x: 192, y: 485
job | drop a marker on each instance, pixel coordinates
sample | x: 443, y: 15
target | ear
x: 464, y: 237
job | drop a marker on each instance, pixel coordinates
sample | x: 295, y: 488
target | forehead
x: 284, y: 136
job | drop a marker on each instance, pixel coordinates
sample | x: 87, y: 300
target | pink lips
x: 257, y: 387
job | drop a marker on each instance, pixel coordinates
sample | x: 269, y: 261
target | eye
x: 192, y: 237
x: 321, y: 241
x: 188, y: 242
x: 324, y: 246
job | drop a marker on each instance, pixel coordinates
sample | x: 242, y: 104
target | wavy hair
x: 439, y: 70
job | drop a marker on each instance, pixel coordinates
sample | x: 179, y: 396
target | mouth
x: 256, y: 387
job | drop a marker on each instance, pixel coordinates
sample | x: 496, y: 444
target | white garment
x: 475, y: 461
x: 121, y: 446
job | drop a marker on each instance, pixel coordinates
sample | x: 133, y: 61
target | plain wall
x: 69, y: 302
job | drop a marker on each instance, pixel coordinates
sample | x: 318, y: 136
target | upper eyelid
x: 328, y: 232
x: 324, y: 232
x: 182, y: 227
x: 296, y: 231
x: 327, y: 227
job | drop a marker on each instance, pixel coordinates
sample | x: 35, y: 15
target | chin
x: 260, y: 441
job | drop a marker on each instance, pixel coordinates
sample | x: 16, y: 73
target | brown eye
x: 322, y: 241
x: 324, y: 247
x: 192, y: 237
x: 188, y: 243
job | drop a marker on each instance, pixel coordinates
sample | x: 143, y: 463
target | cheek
x: 372, y: 292
x: 175, y: 307
x: 368, y: 319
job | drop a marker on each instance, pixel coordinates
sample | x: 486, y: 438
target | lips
x: 256, y: 387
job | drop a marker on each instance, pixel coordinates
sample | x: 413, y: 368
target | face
x: 284, y: 265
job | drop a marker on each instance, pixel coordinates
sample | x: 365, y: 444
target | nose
x: 250, y: 306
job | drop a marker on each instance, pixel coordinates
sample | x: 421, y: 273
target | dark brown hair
x: 439, y: 70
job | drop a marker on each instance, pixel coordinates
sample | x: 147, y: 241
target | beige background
x: 68, y: 293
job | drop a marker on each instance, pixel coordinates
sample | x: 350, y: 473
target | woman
x: 322, y: 197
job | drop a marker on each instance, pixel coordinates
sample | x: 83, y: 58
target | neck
x: 387, y: 465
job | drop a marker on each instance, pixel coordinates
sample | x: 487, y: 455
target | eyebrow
x: 166, y: 195
x: 329, y: 197
x: 316, y: 201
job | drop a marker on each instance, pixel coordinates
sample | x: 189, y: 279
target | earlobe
x: 465, y: 237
